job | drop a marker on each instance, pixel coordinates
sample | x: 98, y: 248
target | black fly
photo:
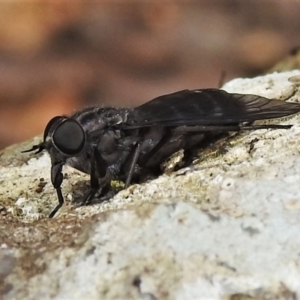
x: 128, y: 144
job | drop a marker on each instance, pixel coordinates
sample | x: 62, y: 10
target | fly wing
x: 207, y: 107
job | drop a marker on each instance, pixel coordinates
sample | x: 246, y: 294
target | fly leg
x: 133, y: 164
x: 145, y: 173
x: 98, y: 168
x: 94, y: 184
x: 164, y: 140
x: 264, y: 126
x: 225, y: 128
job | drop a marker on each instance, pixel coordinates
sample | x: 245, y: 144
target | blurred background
x: 59, y: 56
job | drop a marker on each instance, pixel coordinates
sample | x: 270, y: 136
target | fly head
x: 63, y: 137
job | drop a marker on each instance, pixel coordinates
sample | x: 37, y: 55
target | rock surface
x: 227, y: 227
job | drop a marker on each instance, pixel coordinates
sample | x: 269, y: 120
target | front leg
x: 107, y: 159
x: 100, y: 177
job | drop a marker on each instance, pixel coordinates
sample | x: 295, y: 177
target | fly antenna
x: 39, y: 148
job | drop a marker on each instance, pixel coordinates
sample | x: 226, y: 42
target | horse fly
x: 130, y: 144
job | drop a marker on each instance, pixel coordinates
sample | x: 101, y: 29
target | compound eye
x: 69, y: 137
x: 50, y: 125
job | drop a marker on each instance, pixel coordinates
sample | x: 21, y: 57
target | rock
x: 288, y: 63
x: 226, y: 227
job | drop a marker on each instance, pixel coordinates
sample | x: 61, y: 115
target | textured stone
x: 226, y: 227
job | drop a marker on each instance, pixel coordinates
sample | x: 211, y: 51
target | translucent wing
x: 207, y: 107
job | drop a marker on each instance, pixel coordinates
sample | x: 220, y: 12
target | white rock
x: 227, y: 226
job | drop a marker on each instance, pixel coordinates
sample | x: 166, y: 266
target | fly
x: 129, y: 144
